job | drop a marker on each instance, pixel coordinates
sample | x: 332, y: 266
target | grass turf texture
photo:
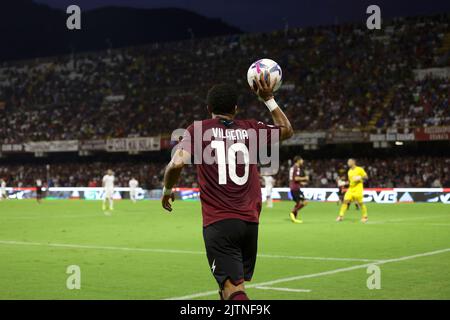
x: 140, y: 252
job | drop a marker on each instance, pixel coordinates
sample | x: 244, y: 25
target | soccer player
x: 39, y: 191
x: 108, y: 185
x: 356, y: 177
x: 3, y: 190
x: 230, y: 192
x: 297, y: 179
x: 269, y: 181
x: 133, y: 185
x: 341, y: 184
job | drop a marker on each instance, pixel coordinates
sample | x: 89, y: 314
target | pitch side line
x: 407, y: 219
x: 51, y: 217
x: 80, y: 246
x: 283, y: 289
x: 311, y: 258
x: 315, y: 275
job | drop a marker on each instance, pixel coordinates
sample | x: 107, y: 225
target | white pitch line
x: 406, y: 219
x: 312, y: 258
x: 315, y: 275
x: 80, y: 246
x: 51, y: 217
x: 283, y: 289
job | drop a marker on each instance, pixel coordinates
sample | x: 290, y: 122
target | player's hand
x: 264, y: 87
x: 165, y: 201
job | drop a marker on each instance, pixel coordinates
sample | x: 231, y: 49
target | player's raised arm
x: 265, y: 91
x: 172, y: 175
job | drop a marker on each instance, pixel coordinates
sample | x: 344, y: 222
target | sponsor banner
x: 377, y: 195
x: 82, y: 193
x: 52, y: 146
x: 405, y: 137
x: 12, y: 148
x: 443, y: 73
x: 166, y: 143
x: 432, y: 133
x: 303, y: 138
x: 144, y: 144
x: 394, y: 136
x: 347, y: 137
x: 92, y: 145
x: 115, y: 98
x: 135, y: 144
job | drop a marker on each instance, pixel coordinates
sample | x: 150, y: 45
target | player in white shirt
x: 108, y: 185
x: 133, y: 185
x: 39, y: 190
x: 269, y: 181
x: 3, y: 190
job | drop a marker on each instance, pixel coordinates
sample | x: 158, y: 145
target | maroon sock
x: 238, y: 295
x: 297, y: 207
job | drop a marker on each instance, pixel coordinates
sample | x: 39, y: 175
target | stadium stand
x: 152, y: 90
x: 158, y: 88
x: 384, y: 173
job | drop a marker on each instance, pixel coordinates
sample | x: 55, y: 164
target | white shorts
x: 109, y: 193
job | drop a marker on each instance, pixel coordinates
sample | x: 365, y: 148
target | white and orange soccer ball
x: 261, y: 66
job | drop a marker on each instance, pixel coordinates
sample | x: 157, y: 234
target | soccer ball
x: 261, y: 66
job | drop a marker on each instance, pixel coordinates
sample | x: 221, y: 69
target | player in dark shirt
x: 225, y: 152
x: 297, y: 179
x: 342, y: 184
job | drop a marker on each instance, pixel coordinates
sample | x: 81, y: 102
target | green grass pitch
x: 141, y: 252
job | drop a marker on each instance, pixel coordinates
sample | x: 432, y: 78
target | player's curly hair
x: 222, y: 99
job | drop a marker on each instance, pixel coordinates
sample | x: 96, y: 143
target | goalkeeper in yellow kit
x: 356, y: 177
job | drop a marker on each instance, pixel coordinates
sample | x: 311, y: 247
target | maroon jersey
x: 295, y: 172
x: 225, y: 153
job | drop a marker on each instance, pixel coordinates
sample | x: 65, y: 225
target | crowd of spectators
x: 383, y: 173
x: 82, y: 174
x: 336, y: 77
x: 405, y: 172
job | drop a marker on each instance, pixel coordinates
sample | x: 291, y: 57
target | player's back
x: 226, y: 160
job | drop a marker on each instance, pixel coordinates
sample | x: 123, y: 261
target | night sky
x: 264, y: 15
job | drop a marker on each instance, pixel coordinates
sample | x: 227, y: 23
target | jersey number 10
x: 219, y: 146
